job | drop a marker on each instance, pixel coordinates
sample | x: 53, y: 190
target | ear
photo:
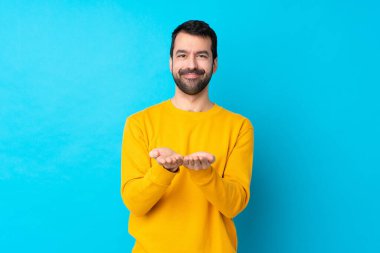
x: 215, y: 66
x: 171, y: 64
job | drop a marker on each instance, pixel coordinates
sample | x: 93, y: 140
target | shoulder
x: 235, y: 119
x: 147, y: 112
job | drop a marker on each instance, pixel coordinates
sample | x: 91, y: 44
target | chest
x: 187, y: 137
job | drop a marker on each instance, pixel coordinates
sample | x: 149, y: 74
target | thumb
x: 211, y: 158
x: 154, y: 153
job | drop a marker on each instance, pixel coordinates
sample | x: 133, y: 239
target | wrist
x: 173, y: 170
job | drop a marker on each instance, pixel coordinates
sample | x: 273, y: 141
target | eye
x: 204, y: 56
x: 181, y: 55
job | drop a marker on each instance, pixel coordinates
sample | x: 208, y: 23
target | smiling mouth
x: 191, y: 72
x: 191, y: 76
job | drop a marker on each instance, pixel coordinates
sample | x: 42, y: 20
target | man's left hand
x: 198, y: 161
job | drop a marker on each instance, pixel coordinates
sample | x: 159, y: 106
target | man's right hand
x: 167, y: 158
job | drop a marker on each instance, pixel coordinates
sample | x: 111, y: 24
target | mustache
x: 191, y: 71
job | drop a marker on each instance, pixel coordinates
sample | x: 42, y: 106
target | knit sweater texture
x: 187, y: 211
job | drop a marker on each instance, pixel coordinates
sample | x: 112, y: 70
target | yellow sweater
x: 188, y: 211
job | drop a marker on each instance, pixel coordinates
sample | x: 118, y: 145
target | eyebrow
x: 203, y: 52
x: 180, y: 51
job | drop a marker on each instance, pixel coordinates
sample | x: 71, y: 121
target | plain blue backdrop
x: 306, y: 73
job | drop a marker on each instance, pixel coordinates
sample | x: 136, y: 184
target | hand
x: 167, y: 158
x: 198, y: 161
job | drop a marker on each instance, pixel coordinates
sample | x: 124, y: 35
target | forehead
x: 188, y: 42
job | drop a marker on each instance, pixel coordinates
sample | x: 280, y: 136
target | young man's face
x: 192, y: 64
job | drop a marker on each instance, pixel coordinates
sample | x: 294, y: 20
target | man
x: 187, y: 162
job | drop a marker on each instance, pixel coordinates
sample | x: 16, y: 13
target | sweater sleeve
x: 230, y: 193
x: 142, y: 183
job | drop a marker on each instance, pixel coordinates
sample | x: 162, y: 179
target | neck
x: 193, y: 103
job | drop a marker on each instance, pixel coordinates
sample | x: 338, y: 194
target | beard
x: 195, y: 85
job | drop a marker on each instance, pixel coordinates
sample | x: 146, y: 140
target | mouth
x: 191, y: 73
x: 191, y: 76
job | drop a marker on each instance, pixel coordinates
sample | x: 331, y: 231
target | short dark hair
x: 198, y: 28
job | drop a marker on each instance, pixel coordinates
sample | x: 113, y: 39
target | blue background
x: 305, y: 72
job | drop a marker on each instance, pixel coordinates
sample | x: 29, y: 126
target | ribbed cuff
x: 160, y: 175
x: 202, y: 177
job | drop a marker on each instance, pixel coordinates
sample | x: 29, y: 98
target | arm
x: 230, y: 193
x: 142, y: 183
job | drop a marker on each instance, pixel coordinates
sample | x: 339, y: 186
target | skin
x: 190, y: 52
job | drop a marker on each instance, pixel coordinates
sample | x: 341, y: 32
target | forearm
x: 229, y: 197
x: 140, y: 194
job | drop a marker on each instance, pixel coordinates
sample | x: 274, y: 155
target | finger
x: 191, y: 161
x: 187, y: 161
x: 197, y: 162
x: 175, y: 161
x: 205, y: 163
x: 169, y: 160
x: 212, y: 159
x: 160, y: 160
x: 179, y: 160
x: 165, y: 162
x: 154, y: 153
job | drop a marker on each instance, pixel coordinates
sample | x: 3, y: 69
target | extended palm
x: 171, y: 160
x: 198, y: 160
x: 167, y: 158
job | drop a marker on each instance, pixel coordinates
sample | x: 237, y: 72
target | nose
x: 192, y: 63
